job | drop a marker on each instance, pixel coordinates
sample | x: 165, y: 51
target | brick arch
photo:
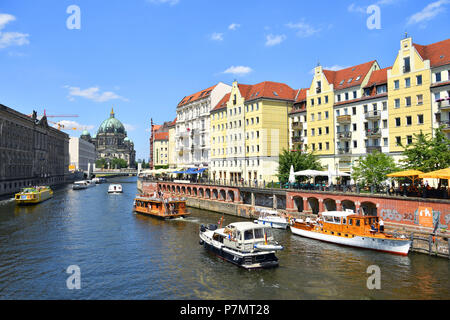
x: 348, y: 204
x: 230, y: 195
x: 215, y: 194
x: 208, y: 193
x: 298, y: 203
x: 189, y: 191
x: 194, y: 192
x: 201, y: 192
x: 183, y: 190
x: 222, y: 195
x: 329, y: 204
x: 369, y: 208
x: 313, y: 204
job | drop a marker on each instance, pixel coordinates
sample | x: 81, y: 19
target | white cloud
x: 217, y: 36
x: 429, y: 12
x: 234, y: 26
x: 170, y: 2
x: 303, y: 29
x: 8, y: 39
x: 129, y: 127
x: 336, y: 67
x: 73, y: 125
x: 238, y: 70
x: 273, y: 40
x: 355, y: 8
x: 93, y: 94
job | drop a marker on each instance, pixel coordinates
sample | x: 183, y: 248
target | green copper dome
x: 111, y: 125
x: 85, y: 133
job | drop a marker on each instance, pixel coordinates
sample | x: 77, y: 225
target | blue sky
x: 144, y: 56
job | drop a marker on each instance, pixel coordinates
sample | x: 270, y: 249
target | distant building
x: 159, y: 144
x: 82, y: 153
x: 31, y: 152
x: 111, y: 141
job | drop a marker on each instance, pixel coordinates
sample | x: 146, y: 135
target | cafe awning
x: 411, y: 174
x: 438, y: 174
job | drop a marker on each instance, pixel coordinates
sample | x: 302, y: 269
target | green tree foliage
x: 372, y: 169
x: 300, y: 161
x: 118, y: 163
x: 100, y: 163
x: 427, y: 153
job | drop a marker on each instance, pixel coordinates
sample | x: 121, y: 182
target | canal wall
x: 424, y: 221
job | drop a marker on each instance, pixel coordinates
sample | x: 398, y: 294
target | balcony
x: 372, y: 149
x: 344, y: 151
x: 344, y: 135
x: 373, y: 115
x: 344, y: 119
x: 297, y: 139
x: 297, y: 125
x: 445, y: 124
x: 373, y: 132
x: 444, y: 104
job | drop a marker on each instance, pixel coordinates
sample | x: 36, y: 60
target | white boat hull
x: 272, y: 224
x: 387, y: 245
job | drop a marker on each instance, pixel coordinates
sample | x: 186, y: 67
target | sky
x: 83, y: 57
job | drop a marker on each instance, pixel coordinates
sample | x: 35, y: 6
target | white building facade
x: 192, y: 132
x: 82, y: 154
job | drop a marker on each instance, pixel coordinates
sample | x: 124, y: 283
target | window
x: 409, y: 139
x: 408, y: 120
x: 320, y: 145
x: 384, y: 105
x: 319, y: 100
x: 327, y: 130
x: 312, y: 102
x: 346, y: 96
x: 408, y: 101
x: 398, y: 140
x: 397, y: 122
x: 354, y: 110
x: 354, y: 94
x: 385, y: 124
x: 385, y: 142
x: 338, y: 97
x: 365, y: 108
x: 355, y: 144
x: 381, y: 89
x: 326, y: 114
x: 354, y: 126
x: 438, y: 77
x: 313, y: 132
x: 248, y: 234
x: 312, y: 116
x: 327, y: 145
x: 419, y: 80
x: 397, y: 103
x: 319, y: 131
x: 406, y: 65
x: 408, y: 82
x: 419, y: 99
x: 396, y: 84
x: 420, y: 118
x: 326, y: 99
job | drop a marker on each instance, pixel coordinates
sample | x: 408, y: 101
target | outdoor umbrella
x: 411, y: 174
x: 292, y: 175
x: 438, y: 174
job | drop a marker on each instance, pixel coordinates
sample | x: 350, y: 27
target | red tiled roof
x: 198, y: 95
x: 222, y: 103
x: 378, y: 77
x: 301, y: 95
x: 173, y: 123
x: 438, y: 53
x: 273, y: 90
x: 340, y: 79
x: 161, y: 136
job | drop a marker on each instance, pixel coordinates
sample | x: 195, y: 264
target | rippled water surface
x: 122, y: 255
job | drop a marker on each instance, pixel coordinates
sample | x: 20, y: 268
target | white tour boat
x: 115, y: 188
x: 84, y: 184
x: 246, y: 244
x: 272, y: 218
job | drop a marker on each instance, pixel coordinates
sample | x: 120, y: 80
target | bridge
x: 114, y: 172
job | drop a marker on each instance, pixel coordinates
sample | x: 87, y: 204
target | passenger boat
x: 99, y: 180
x: 272, y: 218
x: 161, y: 208
x: 115, y: 188
x: 350, y: 229
x: 33, y: 195
x: 84, y: 184
x: 246, y: 244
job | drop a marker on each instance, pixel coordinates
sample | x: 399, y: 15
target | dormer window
x: 341, y: 83
x: 350, y: 80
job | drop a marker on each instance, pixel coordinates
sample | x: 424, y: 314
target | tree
x: 372, y: 169
x: 300, y: 160
x: 100, y: 163
x: 427, y: 153
x: 119, y: 163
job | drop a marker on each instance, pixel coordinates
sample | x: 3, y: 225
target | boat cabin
x: 345, y: 223
x: 243, y: 235
x: 160, y: 207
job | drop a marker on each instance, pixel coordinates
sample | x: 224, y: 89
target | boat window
x: 238, y: 235
x: 248, y: 234
x: 328, y: 219
x: 350, y: 222
x: 337, y: 219
x: 357, y: 223
x: 366, y: 221
x: 344, y: 221
x: 259, y: 233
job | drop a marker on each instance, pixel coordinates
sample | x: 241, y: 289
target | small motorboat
x: 99, y: 180
x: 160, y: 208
x: 33, y: 195
x: 273, y: 219
x: 84, y: 184
x: 246, y: 244
x: 115, y: 188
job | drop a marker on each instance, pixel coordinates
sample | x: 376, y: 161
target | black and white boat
x: 246, y: 244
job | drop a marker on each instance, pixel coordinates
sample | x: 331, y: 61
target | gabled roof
x: 222, y: 103
x: 173, y: 123
x: 161, y: 136
x: 378, y: 77
x: 438, y: 53
x: 196, y: 96
x: 301, y: 95
x: 348, y: 77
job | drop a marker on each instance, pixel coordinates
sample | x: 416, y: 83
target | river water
x: 122, y: 255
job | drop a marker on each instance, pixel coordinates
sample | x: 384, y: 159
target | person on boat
x: 308, y: 220
x: 373, y: 228
x: 381, y: 224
